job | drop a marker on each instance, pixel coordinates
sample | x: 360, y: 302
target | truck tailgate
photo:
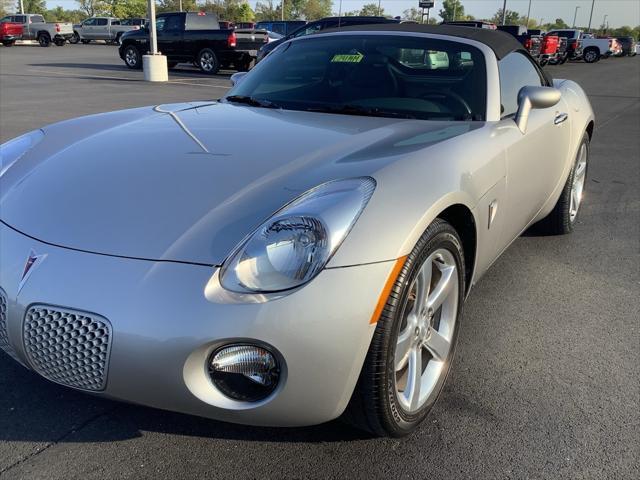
x: 251, y: 40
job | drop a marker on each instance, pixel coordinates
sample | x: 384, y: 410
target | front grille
x: 68, y: 347
x: 4, y: 336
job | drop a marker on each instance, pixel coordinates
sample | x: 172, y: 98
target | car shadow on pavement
x: 33, y: 409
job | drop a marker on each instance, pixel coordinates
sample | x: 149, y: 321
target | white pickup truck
x: 109, y: 29
x: 35, y: 28
x: 593, y: 49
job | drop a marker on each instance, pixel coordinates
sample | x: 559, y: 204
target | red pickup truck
x: 10, y: 32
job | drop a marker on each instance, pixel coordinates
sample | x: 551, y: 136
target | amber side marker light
x: 384, y: 295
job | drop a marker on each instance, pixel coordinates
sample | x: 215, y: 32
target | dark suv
x: 322, y: 24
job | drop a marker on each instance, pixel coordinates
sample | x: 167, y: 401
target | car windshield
x: 372, y: 75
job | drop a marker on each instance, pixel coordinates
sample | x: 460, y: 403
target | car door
x: 536, y: 159
x: 170, y: 33
x: 100, y: 30
x: 26, y: 31
x: 86, y: 32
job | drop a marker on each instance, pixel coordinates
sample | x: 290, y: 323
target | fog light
x: 244, y: 372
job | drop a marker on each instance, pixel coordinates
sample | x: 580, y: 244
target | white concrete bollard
x: 155, y: 68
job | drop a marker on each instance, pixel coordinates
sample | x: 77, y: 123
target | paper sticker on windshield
x: 347, y: 58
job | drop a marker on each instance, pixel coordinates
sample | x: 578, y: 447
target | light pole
x: 154, y: 64
x: 604, y: 23
x: 379, y: 7
x: 504, y: 12
x: 180, y: 5
x: 575, y: 14
x: 21, y: 7
x: 282, y: 10
x: 528, y: 13
x: 591, y: 16
x: 541, y: 22
x: 455, y: 8
x: 340, y: 13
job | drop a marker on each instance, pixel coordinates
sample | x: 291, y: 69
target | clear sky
x: 619, y: 12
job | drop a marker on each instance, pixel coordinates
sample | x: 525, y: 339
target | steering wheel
x: 448, y: 95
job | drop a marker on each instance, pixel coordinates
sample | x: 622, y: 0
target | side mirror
x: 236, y: 78
x: 534, y: 97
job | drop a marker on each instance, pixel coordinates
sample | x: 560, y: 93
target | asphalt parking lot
x: 544, y: 385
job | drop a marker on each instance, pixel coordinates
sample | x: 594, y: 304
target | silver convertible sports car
x: 298, y: 250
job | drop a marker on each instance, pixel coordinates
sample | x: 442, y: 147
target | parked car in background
x: 531, y: 41
x: 284, y: 28
x: 322, y: 24
x: 10, y: 32
x: 628, y: 45
x: 244, y: 25
x: 473, y: 23
x: 574, y: 42
x: 34, y: 27
x: 593, y: 49
x: 196, y: 38
x: 109, y: 29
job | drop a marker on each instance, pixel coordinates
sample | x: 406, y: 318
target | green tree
x: 91, y: 7
x: 59, y: 14
x: 5, y: 6
x: 315, y: 9
x: 33, y: 6
x: 267, y: 10
x: 512, y: 18
x: 412, y: 14
x: 174, y: 5
x: 371, y: 9
x: 452, y: 10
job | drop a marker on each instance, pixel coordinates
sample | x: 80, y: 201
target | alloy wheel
x: 207, y: 61
x: 425, y: 340
x: 131, y: 57
x: 577, y: 186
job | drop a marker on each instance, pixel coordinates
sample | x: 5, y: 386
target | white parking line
x: 113, y: 77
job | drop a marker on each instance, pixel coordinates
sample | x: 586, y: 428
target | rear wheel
x: 563, y: 217
x: 591, y: 55
x: 8, y: 43
x: 208, y: 62
x: 44, y: 39
x: 60, y: 42
x: 75, y: 39
x: 414, y: 342
x: 132, y: 57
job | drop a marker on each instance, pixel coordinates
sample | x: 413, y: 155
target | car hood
x: 187, y: 182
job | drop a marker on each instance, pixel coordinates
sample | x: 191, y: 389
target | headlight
x: 11, y: 151
x: 295, y: 244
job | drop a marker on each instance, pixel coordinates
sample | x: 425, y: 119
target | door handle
x: 561, y: 117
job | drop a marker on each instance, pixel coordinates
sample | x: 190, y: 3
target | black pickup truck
x: 186, y: 37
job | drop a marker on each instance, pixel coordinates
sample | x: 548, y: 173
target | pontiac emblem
x: 33, y: 260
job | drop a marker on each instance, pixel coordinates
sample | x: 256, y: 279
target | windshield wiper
x: 253, y: 101
x: 358, y: 110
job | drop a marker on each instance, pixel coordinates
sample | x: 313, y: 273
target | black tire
x: 75, y: 39
x: 208, y: 61
x: 44, y: 40
x: 85, y: 42
x: 543, y: 62
x: 132, y: 57
x: 561, y: 220
x: 564, y: 59
x: 60, y: 42
x: 591, y: 55
x: 374, y: 405
x: 9, y: 43
x: 117, y: 40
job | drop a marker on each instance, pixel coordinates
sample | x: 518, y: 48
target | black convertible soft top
x: 500, y: 42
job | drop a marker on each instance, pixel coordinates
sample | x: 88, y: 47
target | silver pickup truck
x: 35, y: 28
x: 109, y: 29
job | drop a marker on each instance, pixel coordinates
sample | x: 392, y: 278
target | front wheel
x: 132, y: 58
x: 60, y: 42
x: 414, y: 342
x: 9, y: 43
x: 75, y: 39
x: 44, y: 40
x: 208, y: 62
